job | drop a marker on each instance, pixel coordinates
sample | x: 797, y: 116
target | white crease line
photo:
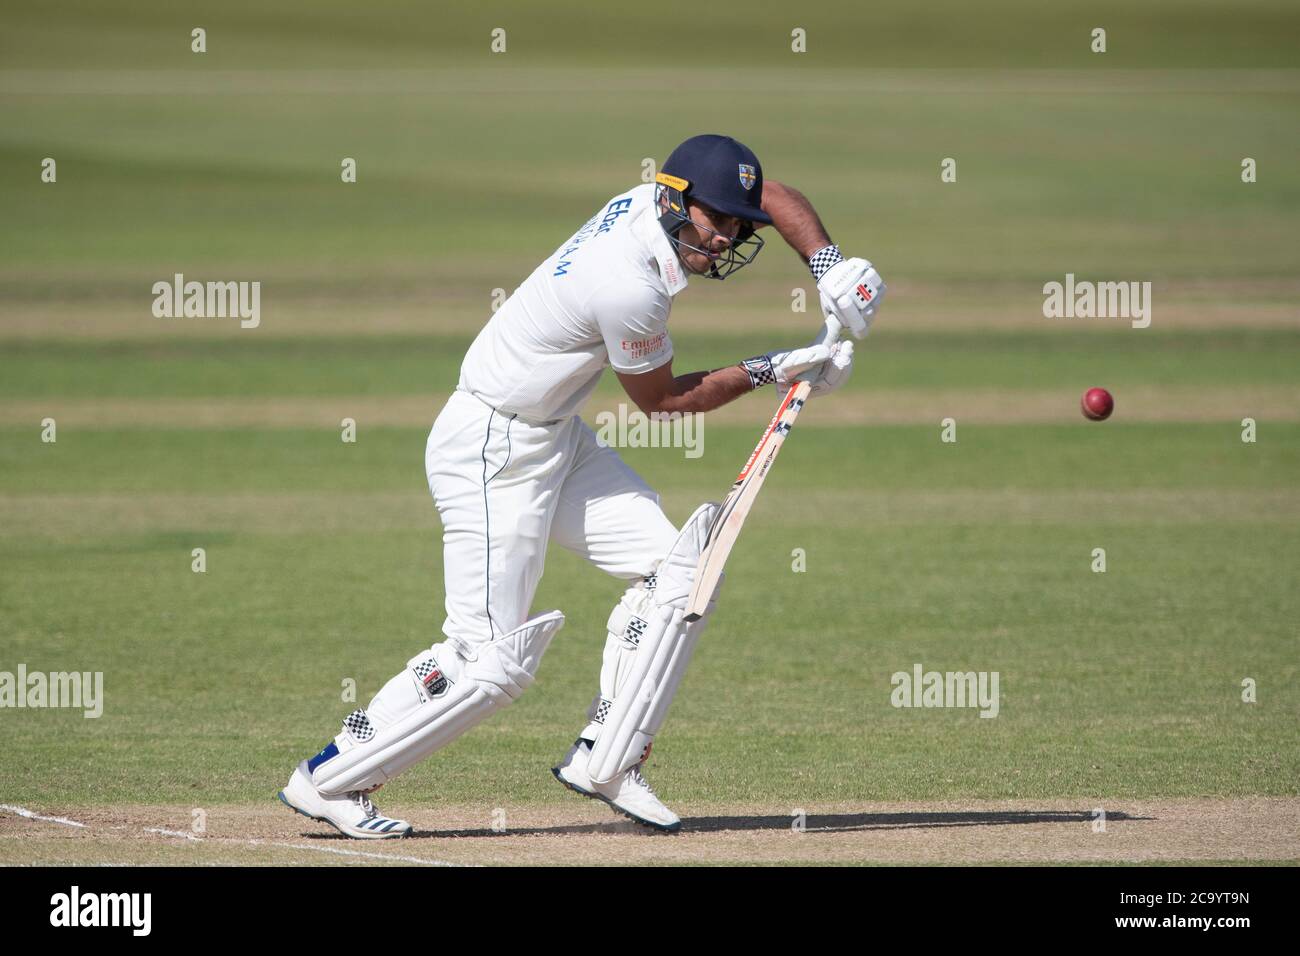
x: 373, y: 856
x: 174, y: 833
x: 24, y: 812
x: 31, y: 815
x: 302, y: 846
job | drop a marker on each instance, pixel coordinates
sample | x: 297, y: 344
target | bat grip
x: 830, y: 332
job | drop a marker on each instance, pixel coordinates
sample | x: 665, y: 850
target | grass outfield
x: 324, y: 564
x: 324, y: 558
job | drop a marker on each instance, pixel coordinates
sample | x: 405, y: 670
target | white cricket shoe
x: 352, y: 814
x: 629, y: 794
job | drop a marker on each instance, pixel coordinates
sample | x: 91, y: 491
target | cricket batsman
x: 513, y: 468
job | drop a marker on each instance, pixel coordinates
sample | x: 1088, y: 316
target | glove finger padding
x: 787, y: 365
x: 851, y: 291
x: 834, y: 372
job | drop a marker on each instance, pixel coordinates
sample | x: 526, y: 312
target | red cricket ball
x: 1097, y: 404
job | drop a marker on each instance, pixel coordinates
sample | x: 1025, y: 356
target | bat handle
x: 829, y: 335
x: 830, y: 332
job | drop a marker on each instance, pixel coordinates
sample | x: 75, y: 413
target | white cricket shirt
x: 601, y: 299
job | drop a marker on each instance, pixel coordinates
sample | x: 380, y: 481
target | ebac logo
x: 612, y: 212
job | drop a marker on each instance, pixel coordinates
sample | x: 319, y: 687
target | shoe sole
x: 352, y: 836
x: 592, y: 795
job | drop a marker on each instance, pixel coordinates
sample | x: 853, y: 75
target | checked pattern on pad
x: 635, y: 629
x: 602, y: 711
x: 424, y: 669
x: 431, y: 676
x: 823, y: 259
x: 358, y: 725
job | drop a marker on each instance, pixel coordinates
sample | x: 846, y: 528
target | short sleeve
x: 633, y: 321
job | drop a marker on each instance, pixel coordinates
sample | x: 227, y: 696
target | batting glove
x: 782, y: 367
x: 851, y: 291
x: 833, y: 373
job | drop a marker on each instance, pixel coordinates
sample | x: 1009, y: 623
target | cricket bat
x: 735, y: 508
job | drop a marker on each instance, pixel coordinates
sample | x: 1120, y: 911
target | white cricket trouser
x: 505, y: 488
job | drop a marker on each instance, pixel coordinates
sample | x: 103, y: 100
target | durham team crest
x: 747, y: 175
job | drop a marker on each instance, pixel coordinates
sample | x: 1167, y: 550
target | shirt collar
x: 671, y: 269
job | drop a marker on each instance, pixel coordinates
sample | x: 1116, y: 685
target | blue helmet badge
x: 747, y: 175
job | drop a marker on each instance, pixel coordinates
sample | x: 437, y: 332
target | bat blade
x: 736, y: 507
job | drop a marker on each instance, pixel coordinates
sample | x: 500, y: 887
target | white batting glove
x: 783, y: 366
x: 832, y: 373
x: 851, y: 291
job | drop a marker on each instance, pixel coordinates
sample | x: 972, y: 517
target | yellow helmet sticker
x: 673, y: 181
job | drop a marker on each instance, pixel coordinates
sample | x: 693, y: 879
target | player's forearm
x: 794, y: 218
x: 705, y: 391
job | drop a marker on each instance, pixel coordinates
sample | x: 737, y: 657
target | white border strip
x: 24, y: 812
